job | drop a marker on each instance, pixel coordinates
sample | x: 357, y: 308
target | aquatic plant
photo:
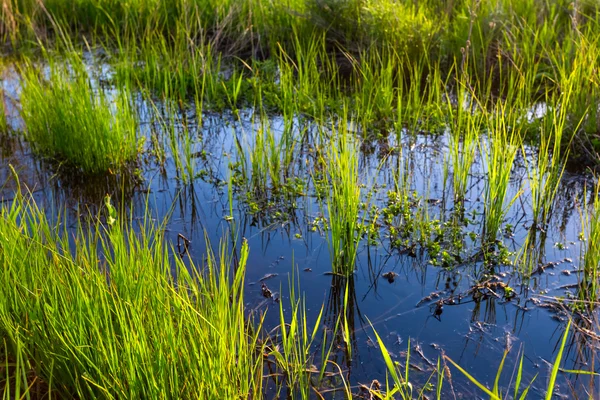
x: 121, y: 325
x: 291, y: 345
x: 400, y: 384
x: 465, y: 125
x: 343, y: 199
x: 500, y: 150
x: 588, y: 293
x: 171, y: 127
x: 556, y: 134
x: 3, y: 116
x: 70, y: 121
x: 496, y: 393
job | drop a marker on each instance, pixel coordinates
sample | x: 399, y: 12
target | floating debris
x: 390, y: 276
x: 419, y: 351
x: 427, y: 299
x: 266, y: 292
x: 439, y: 309
x: 186, y: 244
x: 267, y: 276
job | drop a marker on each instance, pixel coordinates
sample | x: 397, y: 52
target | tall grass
x: 505, y: 141
x: 174, y: 129
x: 545, y: 175
x: 343, y: 199
x: 591, y: 258
x: 291, y: 346
x: 401, y: 385
x: 3, y: 116
x: 73, y: 122
x: 98, y: 314
x: 466, y: 122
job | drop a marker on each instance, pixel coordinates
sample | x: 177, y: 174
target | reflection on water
x: 471, y: 310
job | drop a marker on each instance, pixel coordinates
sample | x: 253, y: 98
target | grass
x: 3, y: 117
x: 71, y: 122
x: 109, y: 311
x: 466, y: 123
x: 176, y: 132
x: 360, y: 73
x: 591, y: 256
x: 544, y: 176
x: 292, y: 347
x: 505, y: 141
x: 401, y: 385
x: 496, y: 393
x: 99, y: 314
x: 343, y: 200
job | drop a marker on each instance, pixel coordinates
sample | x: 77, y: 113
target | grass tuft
x: 100, y: 314
x: 72, y: 122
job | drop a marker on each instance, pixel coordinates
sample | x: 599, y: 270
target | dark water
x: 474, y: 334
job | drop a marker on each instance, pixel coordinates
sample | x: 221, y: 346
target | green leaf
x: 556, y: 366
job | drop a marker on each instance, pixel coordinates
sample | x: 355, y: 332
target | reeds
x: 73, y: 122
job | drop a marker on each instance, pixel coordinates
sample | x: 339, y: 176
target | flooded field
x: 421, y: 278
x: 303, y: 199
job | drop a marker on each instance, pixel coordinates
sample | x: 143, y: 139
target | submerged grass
x: 70, y: 121
x: 496, y: 392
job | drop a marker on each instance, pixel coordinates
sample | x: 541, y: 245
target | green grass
x: 588, y: 293
x: 496, y: 392
x: 500, y: 150
x: 343, y: 199
x: 71, y: 122
x: 100, y: 315
x: 389, y: 69
x: 465, y: 124
x: 3, y: 116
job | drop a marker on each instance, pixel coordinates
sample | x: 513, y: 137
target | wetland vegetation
x: 302, y: 198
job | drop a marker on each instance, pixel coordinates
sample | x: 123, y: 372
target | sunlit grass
x: 590, y: 216
x: 73, y: 122
x: 500, y: 150
x: 100, y: 314
x: 343, y: 198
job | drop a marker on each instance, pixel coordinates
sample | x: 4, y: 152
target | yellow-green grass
x: 72, y: 122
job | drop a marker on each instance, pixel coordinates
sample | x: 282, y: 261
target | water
x: 473, y: 326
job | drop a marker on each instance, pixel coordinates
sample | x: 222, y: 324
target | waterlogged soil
x: 456, y: 306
